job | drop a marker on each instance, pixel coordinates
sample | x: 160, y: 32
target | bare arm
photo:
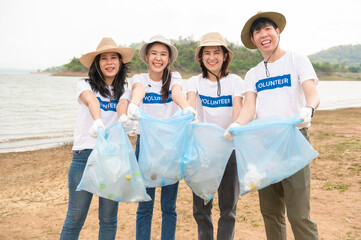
x: 248, y: 110
x: 122, y: 107
x: 178, y: 96
x: 138, y: 93
x: 89, y: 99
x: 191, y: 99
x: 310, y: 90
x: 237, y: 106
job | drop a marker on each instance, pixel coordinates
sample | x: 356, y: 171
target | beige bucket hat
x: 107, y: 45
x: 160, y: 39
x: 276, y: 17
x: 212, y: 39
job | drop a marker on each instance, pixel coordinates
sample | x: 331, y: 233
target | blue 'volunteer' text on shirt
x: 274, y: 82
x: 108, y: 106
x: 214, y: 102
x: 154, y: 98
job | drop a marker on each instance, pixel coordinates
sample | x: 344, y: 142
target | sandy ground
x: 34, y: 194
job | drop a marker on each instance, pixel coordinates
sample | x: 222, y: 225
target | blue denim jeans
x: 145, y: 210
x: 228, y: 194
x: 79, y: 202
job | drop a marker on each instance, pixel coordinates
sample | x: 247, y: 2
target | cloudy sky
x: 38, y: 34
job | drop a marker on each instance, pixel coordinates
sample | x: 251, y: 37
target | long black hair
x: 167, y: 73
x: 225, y: 64
x: 97, y: 83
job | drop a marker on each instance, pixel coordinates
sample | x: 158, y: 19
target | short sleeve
x: 192, y: 84
x: 249, y: 82
x: 176, y: 79
x: 81, y: 86
x: 238, y: 85
x: 305, y: 70
x: 138, y: 78
x: 126, y: 95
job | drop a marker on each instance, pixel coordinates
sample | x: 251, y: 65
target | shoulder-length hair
x: 97, y: 83
x: 167, y: 73
x: 225, y: 64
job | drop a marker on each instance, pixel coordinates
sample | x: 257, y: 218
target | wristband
x: 313, y: 110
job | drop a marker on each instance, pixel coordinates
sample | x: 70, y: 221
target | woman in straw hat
x: 285, y: 85
x: 158, y: 53
x: 216, y: 95
x: 103, y: 100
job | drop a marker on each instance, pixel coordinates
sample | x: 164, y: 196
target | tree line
x: 243, y: 60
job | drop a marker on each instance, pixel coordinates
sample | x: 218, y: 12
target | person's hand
x: 133, y: 110
x: 127, y: 123
x: 97, y: 124
x: 191, y: 110
x: 133, y: 130
x: 227, y: 135
x: 305, y: 115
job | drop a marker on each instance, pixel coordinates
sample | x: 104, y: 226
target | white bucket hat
x: 107, y: 45
x: 160, y: 39
x: 212, y: 39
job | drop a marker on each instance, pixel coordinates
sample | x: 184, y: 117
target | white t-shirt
x: 281, y: 94
x: 210, y: 107
x: 152, y: 103
x: 109, y: 115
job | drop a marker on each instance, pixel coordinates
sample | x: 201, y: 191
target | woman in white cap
x: 216, y: 95
x: 159, y: 94
x: 284, y: 84
x: 102, y: 100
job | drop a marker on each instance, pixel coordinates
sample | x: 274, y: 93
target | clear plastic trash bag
x: 205, y: 161
x: 269, y: 150
x: 112, y: 170
x: 162, y: 144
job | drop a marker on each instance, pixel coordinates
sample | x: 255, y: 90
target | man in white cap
x: 285, y: 85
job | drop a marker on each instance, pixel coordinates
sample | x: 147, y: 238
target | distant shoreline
x: 338, y: 76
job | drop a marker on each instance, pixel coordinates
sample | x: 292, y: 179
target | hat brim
x: 174, y: 54
x: 127, y: 54
x: 276, y: 17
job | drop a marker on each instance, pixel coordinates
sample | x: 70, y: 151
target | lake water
x: 39, y: 111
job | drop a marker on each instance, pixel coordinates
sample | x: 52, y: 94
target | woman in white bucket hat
x: 102, y: 100
x: 151, y: 94
x: 216, y: 95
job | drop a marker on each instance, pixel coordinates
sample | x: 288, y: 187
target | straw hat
x: 276, y: 17
x: 107, y: 45
x: 212, y: 39
x: 160, y: 39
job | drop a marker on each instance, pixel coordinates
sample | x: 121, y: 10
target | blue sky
x: 42, y: 33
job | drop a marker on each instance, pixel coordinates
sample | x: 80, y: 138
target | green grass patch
x: 335, y: 186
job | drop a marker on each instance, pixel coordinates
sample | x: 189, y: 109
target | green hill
x: 347, y: 55
x: 344, y: 59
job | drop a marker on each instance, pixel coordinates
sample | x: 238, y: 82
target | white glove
x: 305, y: 115
x: 97, y: 124
x: 127, y: 123
x: 132, y: 131
x: 191, y: 110
x: 133, y: 109
x: 227, y: 135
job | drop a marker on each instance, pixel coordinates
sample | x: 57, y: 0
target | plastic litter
x: 112, y: 171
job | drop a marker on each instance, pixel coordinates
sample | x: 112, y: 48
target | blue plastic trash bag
x: 269, y: 150
x: 112, y: 170
x: 162, y: 144
x: 206, y: 159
